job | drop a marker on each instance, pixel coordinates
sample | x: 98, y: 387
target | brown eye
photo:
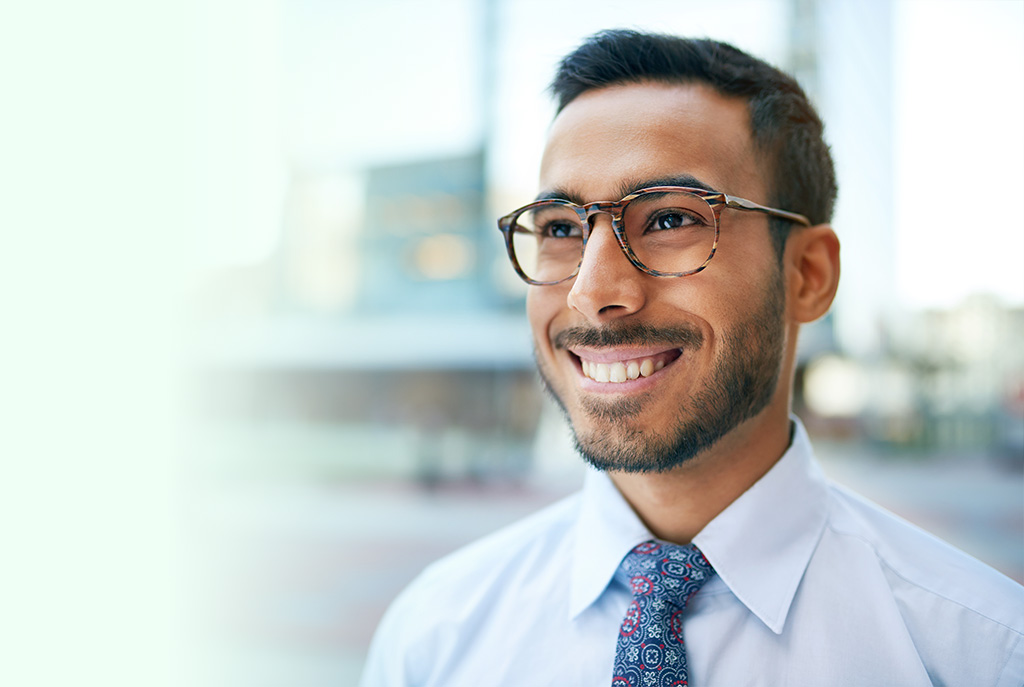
x: 672, y: 220
x: 560, y: 230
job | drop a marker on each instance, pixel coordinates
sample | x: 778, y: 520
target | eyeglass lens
x: 671, y: 232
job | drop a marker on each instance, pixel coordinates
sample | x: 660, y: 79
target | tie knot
x: 669, y: 572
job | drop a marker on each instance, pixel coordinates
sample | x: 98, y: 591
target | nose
x: 608, y: 286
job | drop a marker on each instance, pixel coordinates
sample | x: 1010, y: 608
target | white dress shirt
x: 814, y: 586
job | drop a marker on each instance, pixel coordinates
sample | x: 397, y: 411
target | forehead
x: 614, y: 138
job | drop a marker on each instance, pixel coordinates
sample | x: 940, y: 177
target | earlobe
x: 812, y: 265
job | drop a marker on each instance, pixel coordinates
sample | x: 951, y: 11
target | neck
x: 677, y: 504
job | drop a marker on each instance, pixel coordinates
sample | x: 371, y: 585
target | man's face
x: 701, y: 354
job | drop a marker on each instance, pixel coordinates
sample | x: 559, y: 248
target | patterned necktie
x: 663, y: 577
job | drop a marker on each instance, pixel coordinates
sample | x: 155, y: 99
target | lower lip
x: 629, y: 386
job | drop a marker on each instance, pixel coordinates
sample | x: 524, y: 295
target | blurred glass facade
x: 364, y: 379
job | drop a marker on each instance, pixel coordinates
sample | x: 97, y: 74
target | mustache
x: 682, y: 336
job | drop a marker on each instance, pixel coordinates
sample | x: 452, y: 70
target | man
x: 679, y: 241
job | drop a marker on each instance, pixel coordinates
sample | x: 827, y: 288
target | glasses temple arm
x: 742, y: 204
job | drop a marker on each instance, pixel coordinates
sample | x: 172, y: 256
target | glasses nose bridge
x: 604, y: 207
x: 614, y: 210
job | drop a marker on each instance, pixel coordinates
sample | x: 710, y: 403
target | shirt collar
x: 607, y: 528
x: 759, y: 545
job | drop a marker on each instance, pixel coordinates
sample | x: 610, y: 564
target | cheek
x: 543, y: 303
x: 738, y: 275
x: 698, y: 296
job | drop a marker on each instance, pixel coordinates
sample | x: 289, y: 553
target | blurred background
x: 363, y: 390
x: 264, y: 358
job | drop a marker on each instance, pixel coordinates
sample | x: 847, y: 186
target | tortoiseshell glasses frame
x: 716, y: 200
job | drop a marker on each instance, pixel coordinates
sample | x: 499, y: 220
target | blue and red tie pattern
x: 650, y: 651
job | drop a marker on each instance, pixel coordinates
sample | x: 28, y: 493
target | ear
x: 812, y: 271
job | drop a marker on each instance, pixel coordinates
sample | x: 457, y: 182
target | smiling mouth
x: 620, y: 371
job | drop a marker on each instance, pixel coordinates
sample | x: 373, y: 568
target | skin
x: 601, y: 145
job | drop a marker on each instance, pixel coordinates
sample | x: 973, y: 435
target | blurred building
x: 422, y: 244
x: 946, y: 381
x: 381, y: 313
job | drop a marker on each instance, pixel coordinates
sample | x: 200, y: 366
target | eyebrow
x: 627, y: 187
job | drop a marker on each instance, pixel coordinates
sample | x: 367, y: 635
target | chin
x: 637, y: 451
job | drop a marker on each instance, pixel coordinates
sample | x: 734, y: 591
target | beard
x: 741, y: 383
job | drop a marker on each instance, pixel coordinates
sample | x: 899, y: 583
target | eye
x: 674, y: 219
x: 560, y: 230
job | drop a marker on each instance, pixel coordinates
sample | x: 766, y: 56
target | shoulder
x: 919, y: 559
x: 947, y: 599
x: 456, y: 598
x: 484, y: 566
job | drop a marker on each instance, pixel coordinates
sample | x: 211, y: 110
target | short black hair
x: 784, y: 125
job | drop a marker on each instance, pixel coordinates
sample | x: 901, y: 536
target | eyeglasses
x: 665, y: 231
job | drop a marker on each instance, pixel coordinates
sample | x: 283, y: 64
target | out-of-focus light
x: 325, y: 214
x: 443, y: 256
x: 893, y: 390
x: 836, y: 387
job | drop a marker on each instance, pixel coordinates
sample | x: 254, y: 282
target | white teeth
x: 616, y: 373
